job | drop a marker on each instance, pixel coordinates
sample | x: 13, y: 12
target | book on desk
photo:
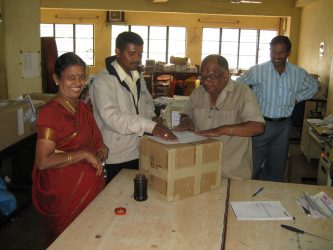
x: 260, y: 210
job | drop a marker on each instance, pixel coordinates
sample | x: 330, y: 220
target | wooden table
x: 264, y: 235
x: 192, y: 223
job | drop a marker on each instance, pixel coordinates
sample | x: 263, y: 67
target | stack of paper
x: 260, y: 210
x: 317, y: 206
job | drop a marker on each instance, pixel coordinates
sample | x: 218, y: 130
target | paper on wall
x: 20, y: 122
x: 30, y: 63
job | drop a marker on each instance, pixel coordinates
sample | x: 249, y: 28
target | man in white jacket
x: 123, y: 107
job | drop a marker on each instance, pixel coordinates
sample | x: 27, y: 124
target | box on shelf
x: 43, y: 97
x: 16, y: 122
x: 178, y: 60
x: 178, y: 171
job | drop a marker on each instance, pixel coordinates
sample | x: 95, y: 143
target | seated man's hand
x: 214, y: 132
x: 164, y: 133
x: 185, y: 124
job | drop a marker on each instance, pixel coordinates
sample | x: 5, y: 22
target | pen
x: 296, y: 230
x: 259, y: 190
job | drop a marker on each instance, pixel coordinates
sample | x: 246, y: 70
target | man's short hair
x: 127, y: 37
x: 220, y: 60
x: 281, y: 39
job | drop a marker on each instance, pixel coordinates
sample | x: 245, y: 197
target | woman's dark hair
x: 128, y: 37
x: 281, y: 39
x: 66, y: 60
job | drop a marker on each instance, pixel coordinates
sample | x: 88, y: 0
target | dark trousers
x: 111, y: 170
x: 270, y: 151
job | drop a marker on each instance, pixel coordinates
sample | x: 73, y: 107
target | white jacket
x: 117, y: 117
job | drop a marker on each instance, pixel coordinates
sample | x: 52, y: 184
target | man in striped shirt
x: 278, y: 85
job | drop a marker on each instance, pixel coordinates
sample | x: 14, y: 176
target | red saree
x: 60, y: 194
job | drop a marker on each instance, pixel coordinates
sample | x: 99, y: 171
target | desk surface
x: 192, y: 223
x: 264, y: 235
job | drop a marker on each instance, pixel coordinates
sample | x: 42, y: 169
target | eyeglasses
x: 210, y: 78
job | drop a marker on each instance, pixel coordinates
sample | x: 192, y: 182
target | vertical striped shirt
x: 277, y: 94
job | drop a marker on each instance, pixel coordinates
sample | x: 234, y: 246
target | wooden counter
x: 192, y: 223
x: 265, y: 235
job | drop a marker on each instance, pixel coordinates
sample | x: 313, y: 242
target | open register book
x: 260, y: 210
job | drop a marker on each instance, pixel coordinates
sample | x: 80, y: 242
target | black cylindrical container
x: 140, y: 187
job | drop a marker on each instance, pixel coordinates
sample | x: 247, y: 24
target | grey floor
x: 24, y: 230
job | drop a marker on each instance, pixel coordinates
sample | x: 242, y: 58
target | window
x: 78, y: 38
x: 242, y: 48
x: 264, y: 41
x: 177, y: 41
x: 115, y: 31
x: 143, y: 31
x: 160, y: 42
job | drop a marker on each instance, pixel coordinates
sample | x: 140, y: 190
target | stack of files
x: 317, y: 206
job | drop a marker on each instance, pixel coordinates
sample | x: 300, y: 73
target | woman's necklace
x: 68, y: 104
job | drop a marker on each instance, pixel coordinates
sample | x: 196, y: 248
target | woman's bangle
x: 69, y: 159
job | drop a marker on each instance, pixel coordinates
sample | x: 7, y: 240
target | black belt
x: 281, y: 119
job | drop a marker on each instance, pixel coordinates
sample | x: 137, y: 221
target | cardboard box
x: 178, y: 171
x: 15, y: 122
x: 45, y: 97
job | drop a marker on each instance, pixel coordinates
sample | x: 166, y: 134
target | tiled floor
x: 24, y: 230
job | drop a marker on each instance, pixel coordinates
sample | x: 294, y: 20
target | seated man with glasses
x: 227, y: 110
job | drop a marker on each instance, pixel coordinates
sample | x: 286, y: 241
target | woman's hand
x: 95, y: 162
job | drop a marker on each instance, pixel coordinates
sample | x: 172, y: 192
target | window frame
x: 74, y: 38
x: 220, y: 42
x: 148, y: 39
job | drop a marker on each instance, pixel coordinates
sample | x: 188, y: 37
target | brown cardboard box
x: 181, y: 170
x: 15, y: 122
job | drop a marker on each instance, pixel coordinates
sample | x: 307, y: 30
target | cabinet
x: 311, y: 143
x: 173, y: 83
x: 325, y: 166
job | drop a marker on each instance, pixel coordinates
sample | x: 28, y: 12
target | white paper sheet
x: 183, y: 137
x: 30, y: 65
x: 260, y: 210
x: 175, y: 118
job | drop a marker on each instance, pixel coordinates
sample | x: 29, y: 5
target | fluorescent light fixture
x: 160, y: 1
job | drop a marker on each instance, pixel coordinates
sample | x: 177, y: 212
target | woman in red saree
x: 68, y: 172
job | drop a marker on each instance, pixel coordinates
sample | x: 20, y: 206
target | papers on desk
x: 317, y: 206
x: 260, y: 210
x: 316, y: 121
x: 183, y: 137
x: 321, y: 123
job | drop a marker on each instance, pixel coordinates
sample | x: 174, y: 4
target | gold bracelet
x: 69, y: 159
